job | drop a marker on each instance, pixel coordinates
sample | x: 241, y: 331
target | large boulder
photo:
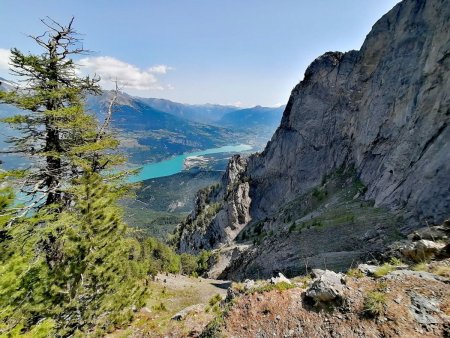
x: 422, y: 250
x: 435, y: 233
x: 327, y: 288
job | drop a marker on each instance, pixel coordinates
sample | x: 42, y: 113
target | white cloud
x: 4, y: 58
x: 127, y: 75
x: 159, y: 69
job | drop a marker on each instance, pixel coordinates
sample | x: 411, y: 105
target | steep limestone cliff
x: 220, y: 212
x: 373, y: 123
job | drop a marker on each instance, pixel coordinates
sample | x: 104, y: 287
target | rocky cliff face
x: 220, y: 213
x: 384, y: 108
x: 381, y: 114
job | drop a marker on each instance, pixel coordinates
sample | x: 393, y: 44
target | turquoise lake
x: 174, y: 165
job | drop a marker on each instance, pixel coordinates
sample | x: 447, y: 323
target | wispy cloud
x: 159, y: 69
x: 127, y: 75
x: 111, y: 69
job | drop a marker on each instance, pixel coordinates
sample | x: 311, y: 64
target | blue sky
x: 245, y: 52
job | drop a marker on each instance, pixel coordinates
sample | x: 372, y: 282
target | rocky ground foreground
x: 406, y: 296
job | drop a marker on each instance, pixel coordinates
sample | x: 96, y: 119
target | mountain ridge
x: 372, y: 123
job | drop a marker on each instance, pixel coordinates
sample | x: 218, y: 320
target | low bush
x: 374, y: 303
x: 215, y: 299
x: 383, y: 270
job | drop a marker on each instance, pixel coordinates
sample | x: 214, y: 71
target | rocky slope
x: 403, y: 303
x: 401, y: 298
x: 361, y: 156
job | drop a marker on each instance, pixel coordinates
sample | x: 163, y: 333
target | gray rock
x: 316, y: 273
x: 422, y: 250
x: 417, y: 274
x: 197, y: 308
x: 249, y: 284
x: 231, y: 218
x: 231, y: 294
x: 435, y: 233
x: 423, y: 308
x: 280, y: 279
x: 367, y: 269
x: 327, y: 288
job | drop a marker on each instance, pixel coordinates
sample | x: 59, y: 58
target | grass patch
x: 374, y: 303
x: 304, y: 281
x: 441, y: 270
x: 213, y: 329
x: 282, y: 286
x: 383, y: 270
x: 395, y: 261
x: 356, y: 273
x: 160, y: 307
x: 215, y: 299
x: 422, y: 266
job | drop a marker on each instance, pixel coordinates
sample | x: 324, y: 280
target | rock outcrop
x: 220, y: 213
x: 327, y: 288
x: 381, y: 113
x: 423, y: 245
x: 385, y: 109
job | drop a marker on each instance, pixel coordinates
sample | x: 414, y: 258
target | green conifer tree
x: 67, y: 265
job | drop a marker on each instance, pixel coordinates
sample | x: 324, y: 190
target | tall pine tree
x: 67, y: 266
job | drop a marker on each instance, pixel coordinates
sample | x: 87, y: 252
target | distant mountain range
x: 250, y: 118
x: 202, y: 113
x: 150, y: 134
x: 151, y: 129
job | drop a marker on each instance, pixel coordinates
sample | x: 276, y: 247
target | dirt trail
x: 169, y: 294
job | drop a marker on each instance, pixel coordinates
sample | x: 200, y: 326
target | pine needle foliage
x: 68, y: 266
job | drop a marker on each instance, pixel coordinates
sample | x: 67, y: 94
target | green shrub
x: 161, y: 257
x: 188, y: 264
x: 203, y: 261
x: 292, y: 227
x: 383, y: 270
x: 215, y: 299
x: 195, y: 265
x: 319, y: 194
x: 395, y: 261
x: 374, y: 303
x: 160, y: 307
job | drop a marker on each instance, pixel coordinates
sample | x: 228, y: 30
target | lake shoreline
x: 175, y: 164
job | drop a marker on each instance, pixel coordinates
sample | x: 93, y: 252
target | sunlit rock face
x: 383, y: 111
